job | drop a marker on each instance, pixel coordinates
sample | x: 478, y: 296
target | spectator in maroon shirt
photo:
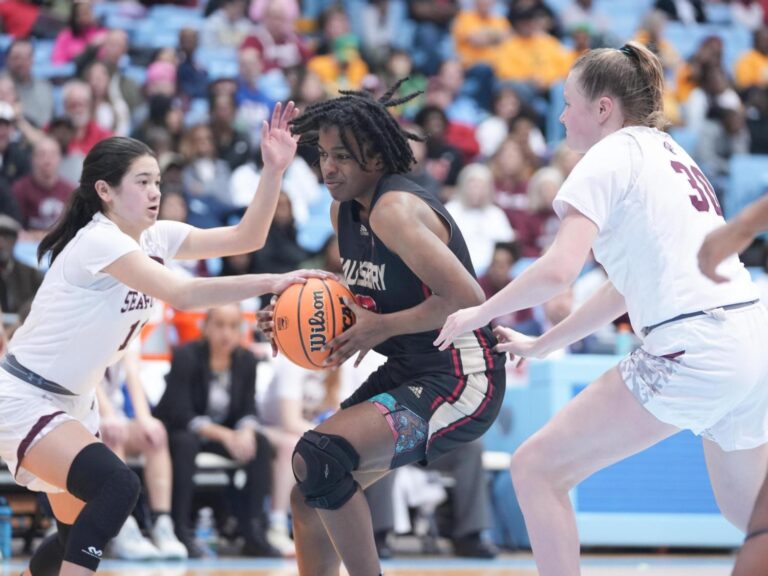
x: 78, y: 107
x: 42, y: 194
x: 276, y: 38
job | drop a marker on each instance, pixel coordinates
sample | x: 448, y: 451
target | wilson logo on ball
x: 308, y: 317
x: 317, y: 336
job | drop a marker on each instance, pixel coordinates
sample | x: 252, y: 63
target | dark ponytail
x: 109, y: 160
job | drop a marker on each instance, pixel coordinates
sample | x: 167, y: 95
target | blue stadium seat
x: 129, y: 24
x: 167, y: 12
x: 748, y: 181
x: 686, y: 39
x: 154, y: 35
x: 43, y: 51
x: 625, y: 15
x: 685, y: 137
x: 220, y: 62
x: 555, y: 130
x: 718, y: 13
x: 50, y: 70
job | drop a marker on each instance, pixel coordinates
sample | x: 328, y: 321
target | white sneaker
x: 130, y: 544
x: 279, y: 538
x: 165, y: 540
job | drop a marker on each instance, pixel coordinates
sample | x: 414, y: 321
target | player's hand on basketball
x: 517, y: 345
x: 281, y: 281
x: 358, y: 339
x: 278, y: 145
x: 266, y: 324
x: 458, y: 323
x: 718, y: 245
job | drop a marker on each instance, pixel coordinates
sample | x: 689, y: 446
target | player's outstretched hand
x: 517, y: 345
x: 281, y: 281
x: 458, y: 323
x: 718, y: 245
x: 278, y: 145
x: 363, y: 335
x: 265, y: 323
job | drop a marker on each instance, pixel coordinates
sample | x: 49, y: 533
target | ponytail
x: 109, y: 160
x: 79, y: 211
x: 633, y: 74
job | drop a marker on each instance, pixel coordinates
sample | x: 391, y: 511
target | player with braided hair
x: 407, y: 263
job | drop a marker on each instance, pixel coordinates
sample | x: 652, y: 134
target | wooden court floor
x: 507, y: 565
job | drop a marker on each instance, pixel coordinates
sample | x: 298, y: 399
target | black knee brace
x: 110, y: 490
x: 46, y: 561
x: 329, y: 461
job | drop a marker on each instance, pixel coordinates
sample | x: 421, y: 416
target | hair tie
x: 626, y: 50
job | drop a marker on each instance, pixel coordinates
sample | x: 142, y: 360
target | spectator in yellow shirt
x: 532, y: 57
x: 478, y: 34
x: 343, y: 68
x: 752, y: 67
x: 709, y: 53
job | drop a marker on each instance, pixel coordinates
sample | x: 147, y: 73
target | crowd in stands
x: 195, y: 79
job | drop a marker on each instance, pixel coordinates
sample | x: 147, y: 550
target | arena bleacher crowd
x: 195, y: 79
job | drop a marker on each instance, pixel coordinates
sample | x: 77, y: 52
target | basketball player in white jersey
x: 105, y: 276
x: 639, y: 201
x: 733, y: 238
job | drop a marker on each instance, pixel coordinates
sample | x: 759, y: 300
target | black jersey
x: 381, y: 281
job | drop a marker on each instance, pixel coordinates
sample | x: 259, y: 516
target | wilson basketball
x: 307, y: 317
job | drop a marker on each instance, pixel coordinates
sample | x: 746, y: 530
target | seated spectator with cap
x: 18, y: 282
x: 42, y: 194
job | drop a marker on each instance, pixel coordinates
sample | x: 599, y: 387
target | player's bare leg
x: 753, y: 556
x: 602, y: 425
x: 349, y: 528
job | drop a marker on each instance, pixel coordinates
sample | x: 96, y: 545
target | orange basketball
x: 307, y: 317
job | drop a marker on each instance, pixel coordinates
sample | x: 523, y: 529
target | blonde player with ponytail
x: 644, y: 207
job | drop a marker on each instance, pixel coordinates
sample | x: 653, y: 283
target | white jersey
x: 653, y: 207
x: 82, y: 319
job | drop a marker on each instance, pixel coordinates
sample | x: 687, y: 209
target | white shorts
x: 707, y: 374
x: 27, y: 414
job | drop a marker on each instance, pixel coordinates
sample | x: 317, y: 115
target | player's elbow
x: 561, y: 272
x: 181, y: 296
x: 247, y: 240
x: 473, y: 295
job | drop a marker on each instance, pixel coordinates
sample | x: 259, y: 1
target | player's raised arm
x: 278, y: 148
x: 732, y: 238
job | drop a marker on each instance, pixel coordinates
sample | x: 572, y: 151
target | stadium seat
x: 748, y: 181
x: 685, y: 137
x: 52, y: 71
x: 555, y: 129
x: 686, y: 39
x: 718, y: 13
x: 43, y: 51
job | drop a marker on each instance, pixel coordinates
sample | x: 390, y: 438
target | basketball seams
x: 333, y: 308
x: 301, y: 333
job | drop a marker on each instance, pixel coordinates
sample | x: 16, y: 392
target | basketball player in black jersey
x: 408, y: 265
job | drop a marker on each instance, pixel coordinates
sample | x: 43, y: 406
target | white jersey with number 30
x: 82, y: 319
x: 653, y: 207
